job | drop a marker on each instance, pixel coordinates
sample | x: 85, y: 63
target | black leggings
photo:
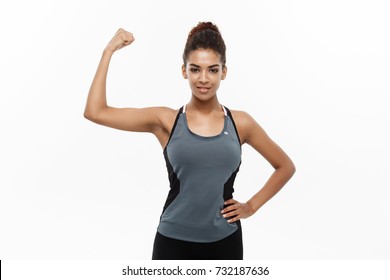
x: 229, y: 248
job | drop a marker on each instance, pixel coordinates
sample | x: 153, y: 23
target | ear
x: 224, y: 72
x: 184, y: 72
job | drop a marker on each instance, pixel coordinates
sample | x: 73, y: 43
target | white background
x: 314, y: 74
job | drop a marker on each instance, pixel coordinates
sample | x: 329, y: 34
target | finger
x: 230, y: 201
x: 124, y: 34
x: 124, y: 37
x: 231, y: 214
x: 235, y: 219
x: 125, y: 40
x: 230, y: 208
x: 128, y: 36
x: 130, y: 39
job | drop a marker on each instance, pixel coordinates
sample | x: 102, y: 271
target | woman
x: 202, y: 149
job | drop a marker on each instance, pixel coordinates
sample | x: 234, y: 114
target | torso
x: 202, y: 156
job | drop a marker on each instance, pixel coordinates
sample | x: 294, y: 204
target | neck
x: 204, y: 107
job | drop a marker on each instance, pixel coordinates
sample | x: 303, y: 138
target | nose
x: 203, y: 77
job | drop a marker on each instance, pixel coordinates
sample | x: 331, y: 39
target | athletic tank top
x: 201, y: 172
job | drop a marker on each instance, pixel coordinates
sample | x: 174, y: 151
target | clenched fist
x: 122, y: 38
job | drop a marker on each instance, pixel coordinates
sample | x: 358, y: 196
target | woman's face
x: 204, y: 73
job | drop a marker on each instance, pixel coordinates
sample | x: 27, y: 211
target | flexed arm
x: 130, y: 119
x: 97, y: 101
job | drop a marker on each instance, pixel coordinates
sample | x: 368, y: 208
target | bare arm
x: 254, y: 135
x: 284, y: 167
x: 131, y: 119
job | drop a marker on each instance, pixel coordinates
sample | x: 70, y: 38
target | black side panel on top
x: 228, y: 187
x: 234, y: 124
x: 174, y: 182
x: 174, y: 125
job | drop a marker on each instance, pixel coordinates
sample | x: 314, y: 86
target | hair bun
x: 203, y: 25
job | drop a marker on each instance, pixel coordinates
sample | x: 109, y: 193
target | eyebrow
x: 211, y: 66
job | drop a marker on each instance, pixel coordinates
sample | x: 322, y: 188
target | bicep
x: 130, y: 119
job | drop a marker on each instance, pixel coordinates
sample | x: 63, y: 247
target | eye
x: 214, y: 70
x: 194, y: 70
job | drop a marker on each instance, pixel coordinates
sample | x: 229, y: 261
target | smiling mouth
x: 203, y: 89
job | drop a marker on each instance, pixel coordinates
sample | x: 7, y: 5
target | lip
x: 203, y: 89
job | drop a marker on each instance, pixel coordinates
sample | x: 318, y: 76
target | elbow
x: 291, y: 168
x: 90, y: 116
x: 87, y: 115
x: 288, y: 168
x: 94, y: 114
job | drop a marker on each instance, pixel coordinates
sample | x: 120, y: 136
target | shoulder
x: 245, y: 124
x: 166, y: 116
x: 241, y: 117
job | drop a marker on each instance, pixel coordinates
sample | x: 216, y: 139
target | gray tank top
x: 201, y: 173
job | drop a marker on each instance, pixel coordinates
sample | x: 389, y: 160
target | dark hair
x: 205, y: 36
